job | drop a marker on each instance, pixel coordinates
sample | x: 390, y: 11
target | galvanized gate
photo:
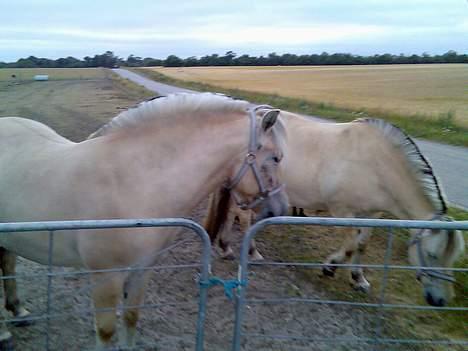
x: 243, y: 282
x: 240, y: 285
x: 52, y: 227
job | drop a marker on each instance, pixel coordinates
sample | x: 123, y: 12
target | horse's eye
x: 276, y: 159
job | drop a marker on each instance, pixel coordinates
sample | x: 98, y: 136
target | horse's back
x: 340, y: 163
x: 17, y: 130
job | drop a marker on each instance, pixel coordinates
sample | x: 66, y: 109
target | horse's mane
x: 416, y: 159
x: 169, y: 108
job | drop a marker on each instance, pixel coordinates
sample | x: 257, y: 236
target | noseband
x: 250, y: 161
x: 428, y: 271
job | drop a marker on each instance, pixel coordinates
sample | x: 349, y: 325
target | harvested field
x: 428, y: 90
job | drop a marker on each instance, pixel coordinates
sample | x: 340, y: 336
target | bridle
x: 250, y: 161
x: 427, y: 270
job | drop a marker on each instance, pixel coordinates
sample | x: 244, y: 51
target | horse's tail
x: 218, y: 208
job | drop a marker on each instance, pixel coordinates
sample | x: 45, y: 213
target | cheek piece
x: 250, y: 162
x: 426, y: 269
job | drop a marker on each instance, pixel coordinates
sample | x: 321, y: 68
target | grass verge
x: 442, y: 129
x: 128, y: 87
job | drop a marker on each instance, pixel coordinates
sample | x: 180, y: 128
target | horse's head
x: 431, y: 248
x: 256, y: 181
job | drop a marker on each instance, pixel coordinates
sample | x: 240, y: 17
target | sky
x: 153, y: 28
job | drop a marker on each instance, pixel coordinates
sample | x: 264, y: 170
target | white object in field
x: 41, y: 77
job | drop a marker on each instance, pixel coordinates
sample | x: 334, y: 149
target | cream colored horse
x: 159, y: 159
x: 358, y: 169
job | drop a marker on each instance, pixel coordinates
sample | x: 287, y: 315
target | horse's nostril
x: 438, y: 302
x: 270, y: 214
x: 429, y: 299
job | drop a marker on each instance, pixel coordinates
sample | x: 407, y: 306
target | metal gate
x: 52, y: 227
x: 241, y: 300
x: 240, y: 285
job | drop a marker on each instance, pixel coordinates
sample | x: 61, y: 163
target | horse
x: 158, y: 159
x: 359, y: 169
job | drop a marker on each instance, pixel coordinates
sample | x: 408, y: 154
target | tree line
x: 109, y: 59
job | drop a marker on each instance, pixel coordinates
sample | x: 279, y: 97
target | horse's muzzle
x: 434, y: 300
x: 276, y: 205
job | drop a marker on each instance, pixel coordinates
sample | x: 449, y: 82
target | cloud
x: 156, y: 28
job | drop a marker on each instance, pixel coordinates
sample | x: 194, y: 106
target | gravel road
x: 450, y: 162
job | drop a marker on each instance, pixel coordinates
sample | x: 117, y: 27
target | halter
x: 428, y: 271
x: 250, y: 161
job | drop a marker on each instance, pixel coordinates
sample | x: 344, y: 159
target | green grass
x: 442, y: 129
x: 27, y: 74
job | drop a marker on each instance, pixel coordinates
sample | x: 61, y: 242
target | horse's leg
x: 298, y: 212
x: 245, y: 221
x: 358, y: 281
x: 134, y: 293
x: 6, y: 339
x: 294, y: 211
x: 220, y: 218
x: 343, y: 254
x: 12, y: 302
x: 107, y: 292
x: 226, y: 250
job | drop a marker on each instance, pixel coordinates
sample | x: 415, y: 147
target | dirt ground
x: 77, y: 108
x: 72, y: 107
x: 171, y: 325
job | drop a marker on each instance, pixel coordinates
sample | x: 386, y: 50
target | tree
x: 190, y: 61
x: 173, y: 61
x: 151, y: 62
x: 134, y: 61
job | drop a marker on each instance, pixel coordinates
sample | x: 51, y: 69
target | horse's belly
x: 35, y: 247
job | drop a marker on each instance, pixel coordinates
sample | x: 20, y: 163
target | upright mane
x: 170, y: 107
x: 416, y: 159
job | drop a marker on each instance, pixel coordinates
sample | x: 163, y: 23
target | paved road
x: 160, y: 88
x: 450, y: 162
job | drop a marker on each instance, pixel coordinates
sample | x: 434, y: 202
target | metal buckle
x: 250, y: 158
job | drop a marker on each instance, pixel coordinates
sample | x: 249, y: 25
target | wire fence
x: 203, y: 280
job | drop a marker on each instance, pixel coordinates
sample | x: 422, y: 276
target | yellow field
x: 23, y: 74
x: 403, y: 89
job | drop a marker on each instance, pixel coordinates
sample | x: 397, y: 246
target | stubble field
x: 425, y: 90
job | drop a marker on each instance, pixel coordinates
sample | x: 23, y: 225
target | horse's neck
x: 182, y: 165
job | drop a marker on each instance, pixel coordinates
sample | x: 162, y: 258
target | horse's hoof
x: 6, y: 342
x: 227, y: 254
x: 329, y: 271
x: 256, y: 256
x: 228, y: 257
x: 20, y: 324
x: 22, y: 319
x: 361, y: 287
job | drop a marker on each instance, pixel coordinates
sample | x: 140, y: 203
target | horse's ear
x: 269, y: 119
